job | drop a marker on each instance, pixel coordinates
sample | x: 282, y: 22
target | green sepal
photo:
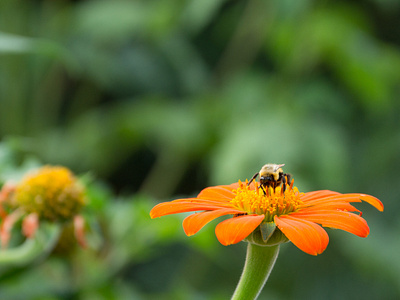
x: 257, y: 238
x: 267, y: 229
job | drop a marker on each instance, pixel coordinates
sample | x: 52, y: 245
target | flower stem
x: 259, y: 263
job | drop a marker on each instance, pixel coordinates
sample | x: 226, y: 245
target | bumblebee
x: 271, y: 175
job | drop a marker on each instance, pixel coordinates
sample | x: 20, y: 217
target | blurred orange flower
x: 50, y: 193
x: 279, y: 210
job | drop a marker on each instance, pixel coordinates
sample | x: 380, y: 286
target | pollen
x: 253, y: 200
x: 52, y: 192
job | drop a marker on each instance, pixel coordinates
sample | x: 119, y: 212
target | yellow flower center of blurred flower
x: 51, y: 192
x: 272, y: 203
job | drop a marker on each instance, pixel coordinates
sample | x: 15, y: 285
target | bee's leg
x: 288, y: 178
x: 254, y: 177
x: 263, y: 189
x: 285, y: 180
x: 283, y: 183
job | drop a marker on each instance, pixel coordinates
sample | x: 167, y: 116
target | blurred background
x: 159, y: 99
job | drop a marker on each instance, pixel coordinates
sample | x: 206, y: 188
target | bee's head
x: 270, y: 172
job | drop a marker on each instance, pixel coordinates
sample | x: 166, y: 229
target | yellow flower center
x: 269, y: 203
x: 51, y: 192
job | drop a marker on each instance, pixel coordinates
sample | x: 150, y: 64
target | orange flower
x: 269, y: 214
x: 50, y: 193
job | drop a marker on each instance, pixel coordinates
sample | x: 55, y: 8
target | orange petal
x: 375, y: 202
x: 232, y: 186
x: 205, y: 202
x: 193, y: 223
x: 235, y: 185
x: 5, y: 194
x: 79, y: 230
x: 7, y: 225
x: 217, y: 193
x: 167, y: 208
x: 318, y: 195
x: 307, y: 236
x: 348, y: 198
x: 234, y: 230
x: 329, y: 205
x: 222, y: 192
x: 30, y: 224
x: 337, y: 219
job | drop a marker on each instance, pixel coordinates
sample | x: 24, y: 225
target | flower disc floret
x: 51, y: 192
x: 268, y: 202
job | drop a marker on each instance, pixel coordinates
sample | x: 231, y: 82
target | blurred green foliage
x: 159, y: 99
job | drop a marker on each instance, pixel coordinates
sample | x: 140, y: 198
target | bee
x: 271, y: 175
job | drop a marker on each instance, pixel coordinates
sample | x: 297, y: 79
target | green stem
x: 259, y: 263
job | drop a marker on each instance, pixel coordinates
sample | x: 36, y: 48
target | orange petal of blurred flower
x: 79, y: 228
x: 30, y: 224
x: 7, y: 225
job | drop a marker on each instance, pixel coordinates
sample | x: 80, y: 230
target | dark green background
x: 159, y: 99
